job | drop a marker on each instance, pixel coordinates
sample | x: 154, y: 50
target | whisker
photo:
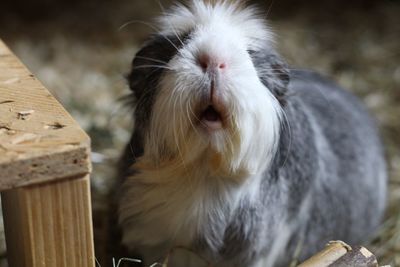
x: 152, y: 66
x: 170, y: 24
x: 270, y: 8
x: 190, y: 119
x: 181, y: 118
x: 230, y: 142
x: 176, y: 137
x: 286, y: 119
x: 152, y: 59
x: 152, y: 27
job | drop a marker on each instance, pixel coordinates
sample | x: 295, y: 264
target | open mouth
x: 211, y: 118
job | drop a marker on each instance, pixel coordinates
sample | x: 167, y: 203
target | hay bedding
x: 79, y: 53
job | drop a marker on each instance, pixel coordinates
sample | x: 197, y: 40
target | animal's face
x: 206, y: 87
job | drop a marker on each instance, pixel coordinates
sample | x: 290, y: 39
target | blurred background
x: 81, y: 49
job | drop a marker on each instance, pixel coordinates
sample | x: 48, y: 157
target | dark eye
x: 251, y: 52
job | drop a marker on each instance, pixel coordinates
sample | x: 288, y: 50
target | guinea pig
x: 234, y: 156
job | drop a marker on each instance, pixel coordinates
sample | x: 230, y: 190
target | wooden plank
x: 39, y: 140
x: 49, y: 225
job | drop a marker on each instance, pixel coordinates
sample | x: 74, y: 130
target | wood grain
x: 332, y: 252
x: 357, y: 257
x: 44, y: 174
x: 49, y: 225
x: 339, y: 254
x: 39, y: 140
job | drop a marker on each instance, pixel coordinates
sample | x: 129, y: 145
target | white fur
x: 199, y: 14
x: 187, y: 175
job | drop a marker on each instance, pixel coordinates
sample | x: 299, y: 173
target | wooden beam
x: 39, y: 140
x: 44, y: 174
x: 49, y: 225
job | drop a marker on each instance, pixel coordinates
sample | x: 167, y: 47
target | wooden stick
x: 332, y: 252
x: 49, y: 225
x: 339, y: 254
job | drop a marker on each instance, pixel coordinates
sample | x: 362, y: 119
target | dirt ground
x: 80, y: 50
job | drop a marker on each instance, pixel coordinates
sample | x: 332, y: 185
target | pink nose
x: 206, y: 62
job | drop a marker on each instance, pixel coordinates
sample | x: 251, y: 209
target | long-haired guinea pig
x: 235, y: 157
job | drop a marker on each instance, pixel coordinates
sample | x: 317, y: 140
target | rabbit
x: 234, y: 156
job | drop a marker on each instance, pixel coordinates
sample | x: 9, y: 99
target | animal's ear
x: 143, y: 80
x: 273, y: 72
x: 146, y: 68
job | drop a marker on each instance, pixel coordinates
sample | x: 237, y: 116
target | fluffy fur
x: 293, y: 163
